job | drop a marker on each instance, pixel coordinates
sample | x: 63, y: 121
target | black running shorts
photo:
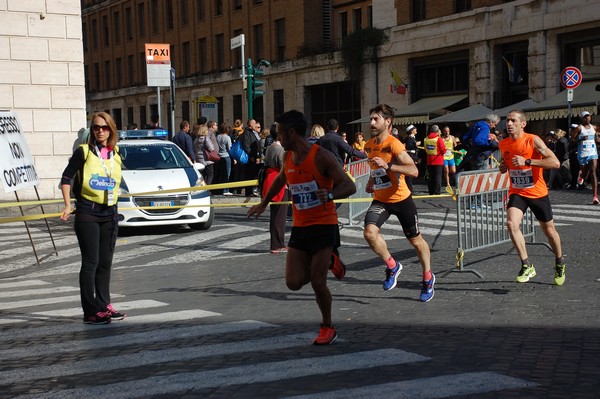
x: 311, y: 239
x: 540, y: 207
x: 406, y: 212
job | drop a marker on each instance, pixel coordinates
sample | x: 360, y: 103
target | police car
x: 152, y: 164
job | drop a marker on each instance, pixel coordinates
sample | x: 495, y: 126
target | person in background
x: 389, y: 163
x: 201, y: 142
x: 184, y: 140
x: 480, y: 145
x: 212, y: 135
x: 132, y: 126
x: 359, y: 144
x: 344, y: 137
x: 573, y: 161
x: 316, y: 133
x: 524, y: 156
x: 315, y: 178
x: 451, y: 143
x: 95, y: 168
x: 585, y: 135
x: 251, y: 145
x: 265, y: 141
x: 410, y: 142
x: 273, y: 162
x: 236, y: 130
x: 435, y: 149
x: 224, y: 164
x: 334, y: 143
x: 561, y: 151
x: 154, y: 123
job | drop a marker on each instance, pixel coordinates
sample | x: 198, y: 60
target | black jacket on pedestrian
x: 185, y: 142
x: 250, y: 144
x: 333, y: 142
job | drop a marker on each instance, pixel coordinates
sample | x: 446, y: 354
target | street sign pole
x: 240, y: 41
x: 249, y: 89
x: 172, y: 130
x: 158, y: 101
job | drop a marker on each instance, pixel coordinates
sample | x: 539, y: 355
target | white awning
x: 502, y: 112
x: 418, y: 112
x: 585, y: 98
x: 472, y: 113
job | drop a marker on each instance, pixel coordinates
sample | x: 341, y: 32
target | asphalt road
x: 209, y: 316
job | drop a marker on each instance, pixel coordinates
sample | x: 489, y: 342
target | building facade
x: 42, y: 82
x: 495, y: 52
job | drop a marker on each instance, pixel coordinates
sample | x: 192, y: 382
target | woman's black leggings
x: 97, y: 243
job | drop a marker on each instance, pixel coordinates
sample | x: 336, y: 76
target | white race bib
x: 588, y: 148
x: 304, y: 195
x: 521, y: 178
x: 381, y: 180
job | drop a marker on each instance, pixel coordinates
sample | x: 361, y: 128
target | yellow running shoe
x: 526, y: 273
x: 559, y: 273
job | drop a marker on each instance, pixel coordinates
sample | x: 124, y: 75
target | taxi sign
x: 570, y: 77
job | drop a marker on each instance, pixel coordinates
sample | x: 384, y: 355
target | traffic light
x: 252, y: 72
x: 257, y: 83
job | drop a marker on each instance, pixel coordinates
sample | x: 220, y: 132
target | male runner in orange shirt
x: 524, y: 156
x: 390, y: 163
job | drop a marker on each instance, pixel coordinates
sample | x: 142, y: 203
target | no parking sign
x: 570, y: 77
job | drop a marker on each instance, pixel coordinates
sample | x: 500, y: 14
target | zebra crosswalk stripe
x: 247, y: 374
x: 443, y: 386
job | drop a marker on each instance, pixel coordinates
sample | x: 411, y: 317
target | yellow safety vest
x: 95, y: 184
x: 431, y: 147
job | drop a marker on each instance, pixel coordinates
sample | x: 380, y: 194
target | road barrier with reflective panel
x: 481, y: 198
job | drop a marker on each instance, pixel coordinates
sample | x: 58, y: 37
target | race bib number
x: 102, y: 182
x: 588, y: 148
x: 522, y: 178
x: 304, y: 195
x: 381, y: 180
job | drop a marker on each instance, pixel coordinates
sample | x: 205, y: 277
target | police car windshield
x: 152, y: 156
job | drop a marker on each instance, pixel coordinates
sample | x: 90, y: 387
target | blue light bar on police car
x: 143, y: 134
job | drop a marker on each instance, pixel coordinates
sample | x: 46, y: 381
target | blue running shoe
x: 427, y: 291
x: 391, y: 276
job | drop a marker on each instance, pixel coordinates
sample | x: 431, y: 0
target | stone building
x: 42, y: 81
x: 489, y: 52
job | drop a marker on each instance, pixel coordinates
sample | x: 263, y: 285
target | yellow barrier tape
x: 245, y: 183
x: 219, y: 186
x: 454, y: 151
x: 27, y: 203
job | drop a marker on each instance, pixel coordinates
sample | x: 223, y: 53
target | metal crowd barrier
x: 360, y: 171
x: 481, y: 198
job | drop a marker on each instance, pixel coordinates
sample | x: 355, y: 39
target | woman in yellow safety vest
x: 95, y: 169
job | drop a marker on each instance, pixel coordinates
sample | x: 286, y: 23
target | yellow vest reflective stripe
x: 94, y: 182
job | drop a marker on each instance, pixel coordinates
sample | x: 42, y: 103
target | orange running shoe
x: 326, y: 336
x: 337, y: 267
